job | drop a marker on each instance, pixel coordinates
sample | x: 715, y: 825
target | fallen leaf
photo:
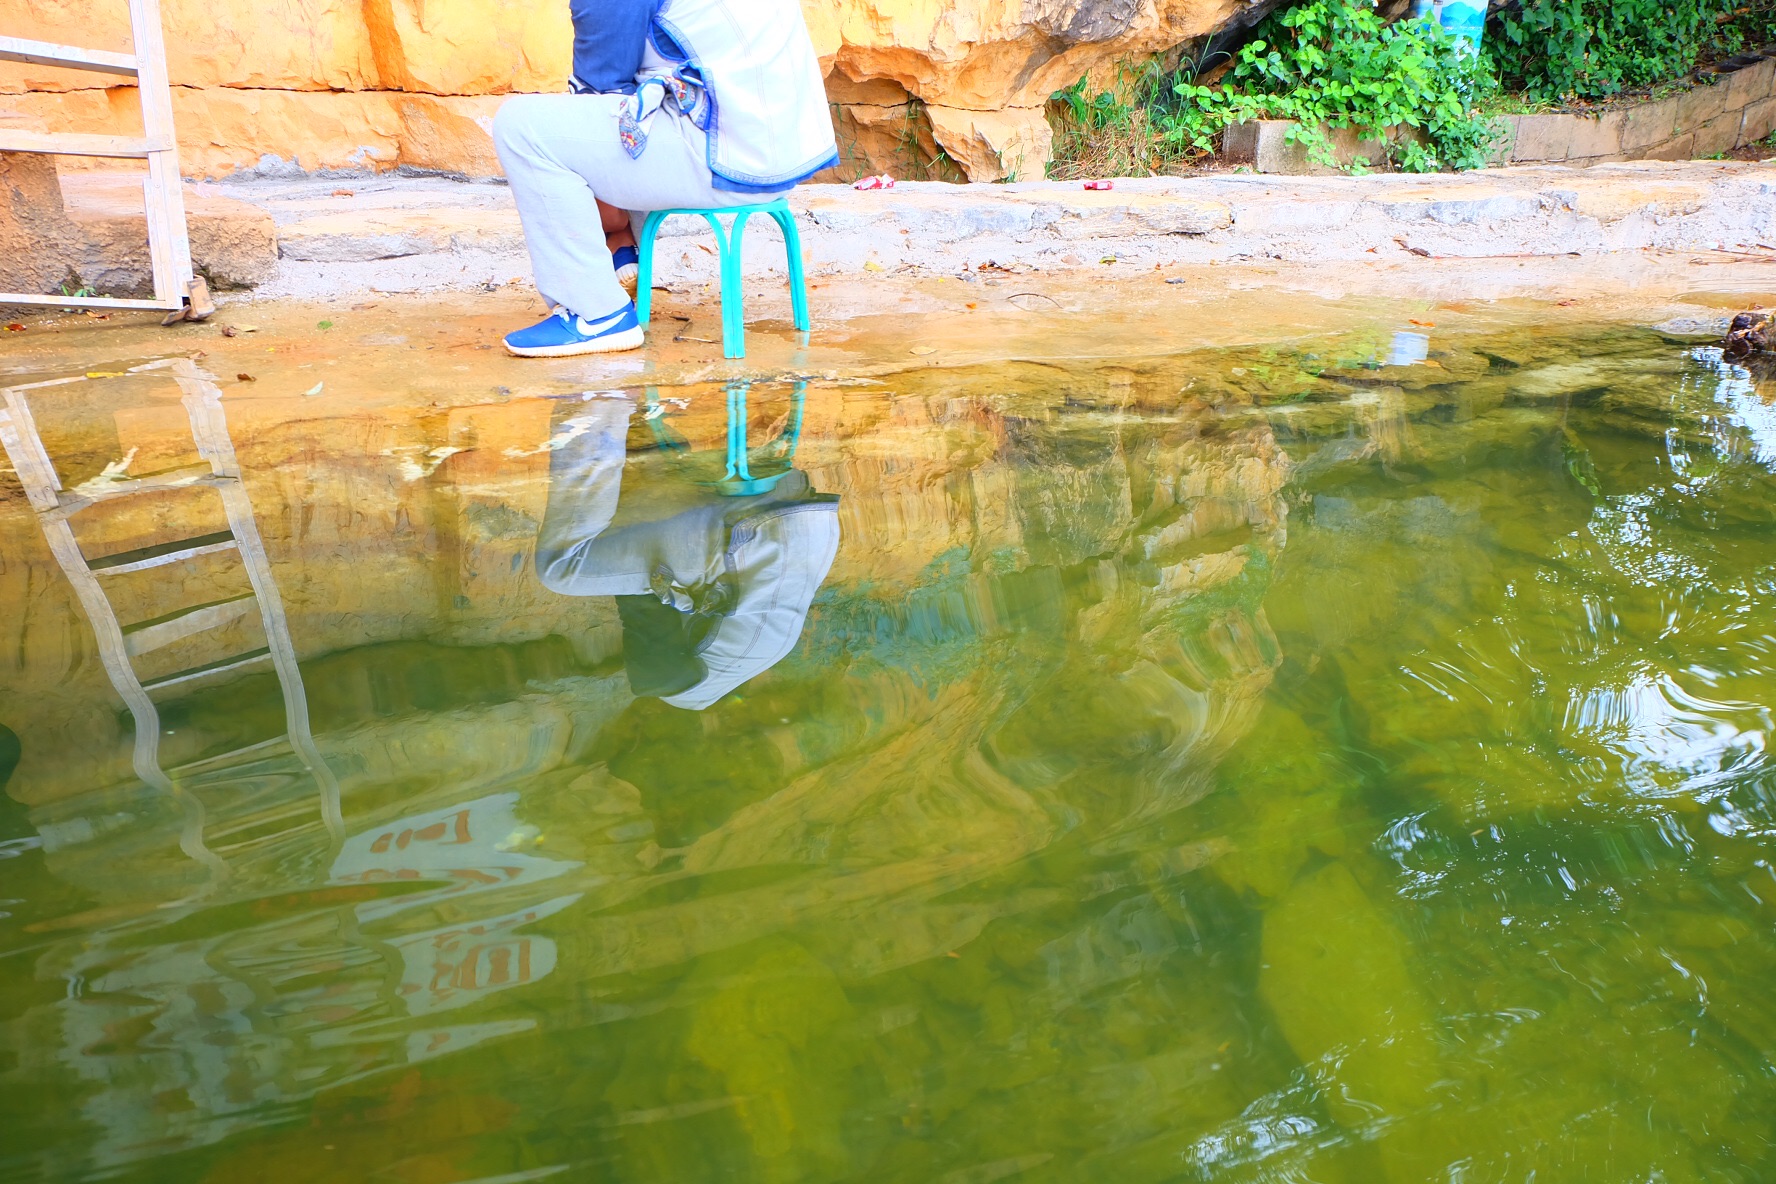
x: 315, y: 389
x: 229, y: 330
x: 1408, y: 247
x: 97, y: 316
x: 1422, y: 324
x: 15, y: 327
x: 922, y: 350
x: 971, y: 304
x: 324, y: 325
x: 343, y: 193
x: 104, y: 374
x: 872, y: 265
x: 1108, y: 259
x: 1565, y: 303
x: 243, y: 376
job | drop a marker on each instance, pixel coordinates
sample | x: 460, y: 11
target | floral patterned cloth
x: 636, y: 114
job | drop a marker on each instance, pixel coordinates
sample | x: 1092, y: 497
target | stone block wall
x: 353, y: 84
x: 1735, y: 110
x: 1732, y: 111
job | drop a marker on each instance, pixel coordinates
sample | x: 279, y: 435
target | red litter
x: 882, y: 182
x: 1100, y: 184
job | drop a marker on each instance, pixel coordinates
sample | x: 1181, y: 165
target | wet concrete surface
x: 394, y: 350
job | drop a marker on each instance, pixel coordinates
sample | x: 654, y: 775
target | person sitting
x: 698, y: 104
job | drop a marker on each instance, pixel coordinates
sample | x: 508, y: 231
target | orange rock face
x: 337, y: 83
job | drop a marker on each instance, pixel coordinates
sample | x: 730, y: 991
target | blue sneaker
x: 627, y: 261
x: 563, y: 335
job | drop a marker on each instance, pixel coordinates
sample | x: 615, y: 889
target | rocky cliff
x: 337, y: 84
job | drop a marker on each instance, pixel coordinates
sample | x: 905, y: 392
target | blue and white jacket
x: 764, y: 100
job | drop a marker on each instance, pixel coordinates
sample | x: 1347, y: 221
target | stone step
x: 392, y: 233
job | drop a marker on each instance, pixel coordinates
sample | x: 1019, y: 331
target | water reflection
x: 712, y: 578
x: 1241, y: 767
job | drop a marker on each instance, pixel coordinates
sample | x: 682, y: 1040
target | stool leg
x: 798, y: 282
x: 738, y: 459
x: 734, y: 294
x: 644, y: 281
x: 722, y: 247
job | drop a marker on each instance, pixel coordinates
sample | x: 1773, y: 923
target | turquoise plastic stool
x: 727, y: 242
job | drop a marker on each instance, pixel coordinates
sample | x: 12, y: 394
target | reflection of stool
x: 738, y: 479
x: 728, y: 246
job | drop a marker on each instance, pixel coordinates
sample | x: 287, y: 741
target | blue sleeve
x: 609, y: 36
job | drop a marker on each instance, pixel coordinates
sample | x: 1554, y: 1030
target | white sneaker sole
x: 629, y: 276
x: 610, y: 343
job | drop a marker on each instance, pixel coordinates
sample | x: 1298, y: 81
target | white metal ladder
x: 176, y: 287
x: 119, y: 643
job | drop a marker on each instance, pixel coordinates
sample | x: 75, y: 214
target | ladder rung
x: 83, y: 497
x: 215, y: 667
x: 162, y: 553
x: 37, y: 301
x: 83, y: 144
x: 223, y: 760
x: 147, y: 636
x: 47, y: 53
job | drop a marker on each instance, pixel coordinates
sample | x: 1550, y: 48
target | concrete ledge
x: 419, y: 234
x: 1265, y: 145
x: 1725, y: 112
x: 91, y: 226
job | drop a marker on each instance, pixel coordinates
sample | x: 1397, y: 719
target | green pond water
x: 1250, y: 765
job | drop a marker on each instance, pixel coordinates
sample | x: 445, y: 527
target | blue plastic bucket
x: 1460, y: 18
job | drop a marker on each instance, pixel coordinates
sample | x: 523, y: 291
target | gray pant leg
x: 555, y: 154
x: 561, y: 155
x: 585, y: 484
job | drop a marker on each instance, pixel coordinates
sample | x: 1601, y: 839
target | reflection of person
x: 10, y: 751
x: 727, y: 108
x: 12, y: 815
x: 711, y: 590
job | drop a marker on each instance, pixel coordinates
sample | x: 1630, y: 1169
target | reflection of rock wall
x: 1043, y: 631
x: 386, y: 82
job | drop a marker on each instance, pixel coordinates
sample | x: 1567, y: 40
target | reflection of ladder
x: 176, y: 287
x: 119, y: 643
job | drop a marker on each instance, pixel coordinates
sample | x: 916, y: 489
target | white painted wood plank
x: 37, y: 301
x: 166, y: 204
x: 148, y: 636
x: 48, y: 53
x: 217, y: 667
x: 178, y: 556
x: 84, y: 144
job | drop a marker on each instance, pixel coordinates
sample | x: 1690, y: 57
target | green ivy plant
x: 1333, y: 64
x: 1590, y: 49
